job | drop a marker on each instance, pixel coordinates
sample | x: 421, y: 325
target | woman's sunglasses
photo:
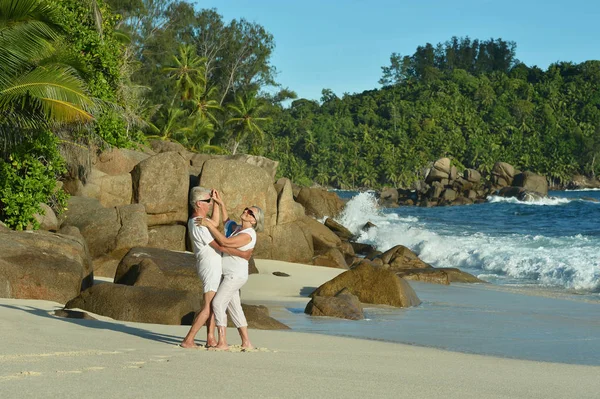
x: 249, y: 212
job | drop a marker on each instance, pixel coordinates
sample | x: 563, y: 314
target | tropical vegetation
x: 78, y: 76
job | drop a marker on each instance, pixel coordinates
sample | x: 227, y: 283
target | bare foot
x: 188, y: 345
x: 247, y: 346
x: 211, y: 344
x: 219, y: 348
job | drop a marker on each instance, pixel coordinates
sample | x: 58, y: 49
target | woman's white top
x: 208, y: 260
x: 234, y: 265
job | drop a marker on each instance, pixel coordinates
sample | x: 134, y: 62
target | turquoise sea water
x: 542, y: 260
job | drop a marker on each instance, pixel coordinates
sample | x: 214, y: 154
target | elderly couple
x: 222, y: 264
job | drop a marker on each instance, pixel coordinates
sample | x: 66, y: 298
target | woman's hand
x: 206, y: 222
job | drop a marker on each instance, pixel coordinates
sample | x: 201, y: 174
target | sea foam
x: 569, y: 262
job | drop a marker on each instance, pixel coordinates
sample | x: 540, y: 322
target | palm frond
x: 56, y: 91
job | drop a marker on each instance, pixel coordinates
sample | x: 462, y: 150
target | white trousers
x: 228, y: 298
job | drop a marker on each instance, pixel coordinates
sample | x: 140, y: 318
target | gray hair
x: 260, y: 219
x: 198, y: 193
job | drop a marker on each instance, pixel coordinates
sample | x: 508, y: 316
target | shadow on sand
x: 99, y: 324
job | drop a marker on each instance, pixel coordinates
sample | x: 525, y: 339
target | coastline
x: 44, y: 356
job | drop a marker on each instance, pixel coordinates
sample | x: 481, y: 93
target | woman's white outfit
x: 208, y: 260
x: 235, y: 275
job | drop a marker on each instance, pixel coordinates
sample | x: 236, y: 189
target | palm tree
x: 188, y: 72
x: 172, y: 129
x: 36, y: 91
x: 245, y: 119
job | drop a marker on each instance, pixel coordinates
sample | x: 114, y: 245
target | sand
x: 45, y: 356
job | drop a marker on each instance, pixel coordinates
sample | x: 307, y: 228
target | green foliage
x: 28, y: 178
x: 497, y: 110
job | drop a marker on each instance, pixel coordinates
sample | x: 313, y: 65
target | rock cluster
x: 445, y: 185
x: 127, y: 220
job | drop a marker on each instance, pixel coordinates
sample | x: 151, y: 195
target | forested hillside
x: 469, y: 100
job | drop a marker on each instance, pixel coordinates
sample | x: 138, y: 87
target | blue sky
x: 342, y: 45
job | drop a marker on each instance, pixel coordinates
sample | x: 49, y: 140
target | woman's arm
x: 232, y: 251
x: 232, y: 242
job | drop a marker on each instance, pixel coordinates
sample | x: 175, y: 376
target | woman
x: 208, y: 262
x: 235, y: 271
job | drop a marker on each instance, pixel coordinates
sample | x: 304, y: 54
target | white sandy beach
x: 45, y: 356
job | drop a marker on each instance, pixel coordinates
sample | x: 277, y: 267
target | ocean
x: 542, y: 260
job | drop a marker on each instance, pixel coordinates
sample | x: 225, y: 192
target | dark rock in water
x: 343, y: 305
x: 388, y: 197
x: 579, y: 182
x: 531, y: 182
x: 73, y: 314
x: 458, y: 276
x: 520, y: 193
x: 502, y: 174
x: 462, y: 201
x: 590, y: 199
x: 280, y: 274
x: 338, y: 229
x: 371, y: 285
x: 362, y: 249
x: 367, y: 226
x: 400, y: 257
x: 373, y: 254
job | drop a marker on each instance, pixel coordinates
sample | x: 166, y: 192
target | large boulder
x: 47, y: 218
x: 531, y: 182
x: 458, y: 276
x: 340, y: 230
x: 319, y: 202
x: 167, y: 237
x: 119, y: 161
x: 160, y: 146
x: 472, y: 175
x: 371, y: 285
x: 270, y: 166
x: 323, y: 238
x: 183, y: 263
x: 146, y: 273
x: 109, y: 190
x: 43, y: 265
x: 140, y: 304
x: 431, y: 275
x: 242, y: 185
x: 332, y: 257
x: 400, y: 257
x: 109, y: 232
x: 161, y: 184
x: 443, y: 165
x: 291, y: 243
x: 343, y: 305
x: 388, y: 197
x: 502, y: 174
x: 288, y: 210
